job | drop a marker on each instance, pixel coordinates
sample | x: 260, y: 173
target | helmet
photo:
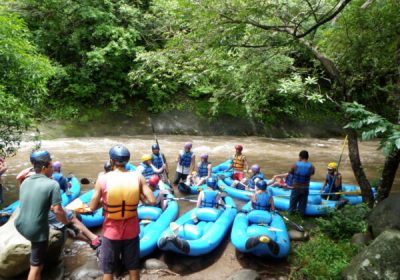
x: 57, y: 166
x: 255, y: 168
x: 188, y: 145
x: 39, y: 155
x: 119, y: 153
x: 204, y: 156
x: 239, y: 147
x: 146, y: 157
x: 107, y: 166
x: 153, y: 180
x: 155, y: 147
x: 332, y: 165
x: 212, y: 182
x: 262, y: 185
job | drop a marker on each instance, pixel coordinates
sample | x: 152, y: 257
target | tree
x: 23, y: 79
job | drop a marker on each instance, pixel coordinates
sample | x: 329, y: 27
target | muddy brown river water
x: 85, y: 158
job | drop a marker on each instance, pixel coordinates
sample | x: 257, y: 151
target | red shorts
x: 238, y: 176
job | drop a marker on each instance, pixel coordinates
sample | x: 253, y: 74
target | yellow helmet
x: 332, y: 165
x: 146, y: 157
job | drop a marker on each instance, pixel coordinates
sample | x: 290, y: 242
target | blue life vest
x: 289, y: 180
x: 157, y: 160
x: 202, y: 169
x: 147, y: 170
x: 62, y: 182
x: 185, y: 159
x: 330, y: 182
x: 302, y: 172
x: 262, y: 201
x: 252, y: 182
x: 209, y: 199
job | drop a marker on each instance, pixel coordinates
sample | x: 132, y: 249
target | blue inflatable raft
x: 224, y: 185
x: 199, y: 231
x: 153, y: 221
x: 260, y: 233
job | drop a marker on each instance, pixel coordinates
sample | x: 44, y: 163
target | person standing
x: 239, y: 163
x: 120, y: 190
x: 185, y: 165
x: 302, y: 171
x: 158, y: 160
x: 38, y: 194
x: 3, y: 169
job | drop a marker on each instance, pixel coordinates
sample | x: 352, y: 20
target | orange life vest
x: 122, y: 195
x: 238, y: 162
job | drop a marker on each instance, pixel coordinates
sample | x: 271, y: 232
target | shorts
x: 38, y: 252
x: 56, y: 224
x: 178, y: 177
x: 112, y: 252
x: 238, y: 175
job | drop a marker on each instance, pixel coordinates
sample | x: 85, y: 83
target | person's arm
x: 271, y: 203
x: 324, y: 185
x: 146, y: 194
x: 60, y: 213
x: 95, y: 202
x: 245, y: 164
x: 157, y: 170
x: 338, y: 181
x: 312, y: 170
x: 209, y: 168
x: 192, y: 164
x: 199, y: 199
x: 165, y: 162
x: 253, y: 198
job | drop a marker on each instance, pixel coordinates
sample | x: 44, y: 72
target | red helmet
x: 239, y: 147
x: 153, y: 180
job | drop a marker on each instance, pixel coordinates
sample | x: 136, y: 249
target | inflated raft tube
x: 192, y: 189
x: 199, y: 231
x: 260, y: 233
x: 224, y: 186
x: 153, y: 221
x: 219, y: 170
x: 90, y: 221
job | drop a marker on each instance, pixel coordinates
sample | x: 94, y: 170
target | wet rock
x: 361, y: 239
x: 15, y: 249
x: 88, y: 271
x: 154, y: 264
x: 245, y: 274
x: 385, y: 215
x: 296, y: 235
x: 380, y: 260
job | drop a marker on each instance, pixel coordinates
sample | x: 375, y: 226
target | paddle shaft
x: 297, y: 226
x: 195, y: 201
x: 333, y: 193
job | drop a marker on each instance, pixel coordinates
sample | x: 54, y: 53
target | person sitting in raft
x: 146, y: 168
x: 158, y: 159
x: 242, y: 184
x: 332, y: 183
x: 59, y: 177
x: 284, y: 181
x: 262, y: 199
x: 256, y: 177
x: 157, y: 192
x: 203, y: 171
x: 239, y: 163
x: 210, y: 197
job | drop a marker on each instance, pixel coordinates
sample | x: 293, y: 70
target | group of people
x: 120, y: 192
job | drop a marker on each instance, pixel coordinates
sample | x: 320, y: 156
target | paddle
x: 195, y: 201
x: 297, y: 226
x: 159, y: 148
x: 334, y: 193
x: 337, y: 169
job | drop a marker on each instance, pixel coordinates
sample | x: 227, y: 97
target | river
x: 85, y: 156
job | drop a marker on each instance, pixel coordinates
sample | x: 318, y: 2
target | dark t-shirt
x: 37, y: 194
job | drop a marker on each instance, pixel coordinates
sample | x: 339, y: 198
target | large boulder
x: 380, y: 260
x: 385, y: 215
x: 15, y: 249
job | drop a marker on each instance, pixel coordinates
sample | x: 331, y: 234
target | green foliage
x: 342, y: 224
x: 373, y: 126
x: 321, y: 258
x: 23, y: 79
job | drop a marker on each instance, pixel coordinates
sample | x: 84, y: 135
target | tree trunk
x: 358, y: 168
x: 388, y: 174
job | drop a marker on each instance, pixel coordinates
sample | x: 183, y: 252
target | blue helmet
x: 155, y: 147
x: 212, y: 182
x: 119, y: 153
x: 262, y: 185
x: 40, y: 155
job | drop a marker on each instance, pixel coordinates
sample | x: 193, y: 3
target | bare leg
x: 84, y: 230
x: 134, y: 274
x: 34, y: 272
x: 107, y: 277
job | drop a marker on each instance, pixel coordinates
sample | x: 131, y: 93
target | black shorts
x: 178, y: 177
x: 112, y: 252
x: 38, y: 252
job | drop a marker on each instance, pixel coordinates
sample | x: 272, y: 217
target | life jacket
x: 60, y: 179
x: 331, y: 184
x: 157, y: 160
x: 302, y: 172
x: 262, y: 202
x: 122, y: 197
x: 202, y: 169
x: 289, y: 180
x: 57, y: 176
x: 252, y: 182
x: 185, y: 159
x: 238, y: 162
x: 147, y: 170
x: 209, y: 199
